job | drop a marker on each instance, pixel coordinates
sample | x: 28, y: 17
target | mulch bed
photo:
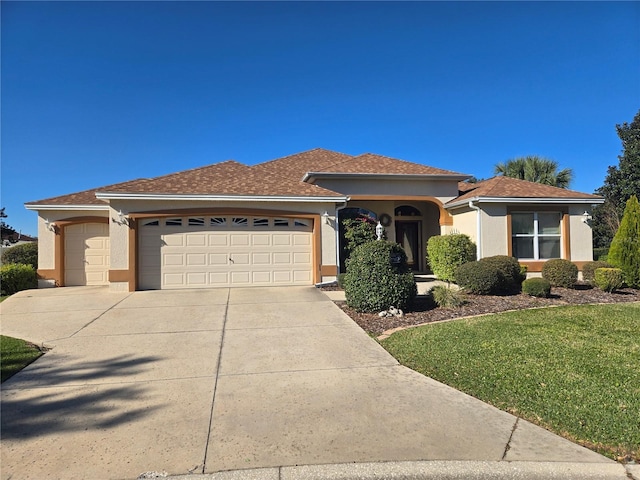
x: 425, y: 311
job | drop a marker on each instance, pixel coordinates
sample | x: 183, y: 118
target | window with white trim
x: 536, y: 235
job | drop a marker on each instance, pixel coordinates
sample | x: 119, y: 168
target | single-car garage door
x: 233, y: 250
x: 86, y: 254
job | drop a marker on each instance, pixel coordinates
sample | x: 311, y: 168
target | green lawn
x: 15, y: 354
x: 574, y: 370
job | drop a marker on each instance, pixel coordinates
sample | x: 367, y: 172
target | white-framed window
x: 536, y: 235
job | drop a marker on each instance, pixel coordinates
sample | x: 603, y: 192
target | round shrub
x: 378, y: 277
x: 537, y: 287
x: 510, y: 273
x: 25, y: 253
x: 480, y: 278
x: 589, y: 270
x: 560, y: 273
x: 445, y: 253
x: 15, y: 277
x: 608, y: 279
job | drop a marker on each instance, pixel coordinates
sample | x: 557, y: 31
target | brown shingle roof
x: 370, y: 163
x: 507, y: 187
x: 296, y: 165
x: 86, y: 197
x: 225, y: 178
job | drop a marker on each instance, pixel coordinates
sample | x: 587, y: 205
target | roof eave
x: 51, y: 206
x: 220, y: 198
x: 525, y: 201
x: 310, y: 177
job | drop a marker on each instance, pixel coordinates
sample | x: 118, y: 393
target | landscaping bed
x: 424, y: 309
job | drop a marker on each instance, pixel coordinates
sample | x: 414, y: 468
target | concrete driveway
x: 202, y: 381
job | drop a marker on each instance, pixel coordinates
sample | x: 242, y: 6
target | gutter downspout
x: 478, y: 229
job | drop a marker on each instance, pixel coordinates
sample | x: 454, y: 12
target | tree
x: 6, y: 231
x: 620, y: 184
x: 535, y: 169
x: 625, y: 246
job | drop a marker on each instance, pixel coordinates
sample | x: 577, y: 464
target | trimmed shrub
x: 589, y: 269
x: 340, y: 280
x: 378, y: 277
x: 608, y: 279
x: 447, y: 297
x: 510, y: 273
x: 25, y: 253
x: 560, y: 272
x: 624, y: 252
x: 537, y: 287
x: 445, y: 253
x: 15, y: 277
x: 480, y: 278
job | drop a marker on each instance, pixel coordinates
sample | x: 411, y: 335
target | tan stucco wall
x: 464, y: 221
x: 581, y: 235
x: 494, y: 230
x: 444, y: 190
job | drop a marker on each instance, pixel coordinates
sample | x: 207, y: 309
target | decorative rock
x: 383, y: 313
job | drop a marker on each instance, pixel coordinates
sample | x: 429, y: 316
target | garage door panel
x: 86, y: 254
x: 226, y: 251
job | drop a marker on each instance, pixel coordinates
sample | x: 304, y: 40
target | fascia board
x: 218, y: 198
x: 310, y: 177
x: 67, y: 207
x: 527, y: 201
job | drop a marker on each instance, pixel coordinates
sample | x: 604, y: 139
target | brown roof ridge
x: 317, y: 149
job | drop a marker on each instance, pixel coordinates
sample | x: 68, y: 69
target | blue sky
x: 95, y: 93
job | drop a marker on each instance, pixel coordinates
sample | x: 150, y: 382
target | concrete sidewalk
x: 250, y: 382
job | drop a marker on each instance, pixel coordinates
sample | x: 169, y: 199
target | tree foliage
x: 625, y: 246
x: 535, y: 169
x: 622, y: 181
x: 445, y: 253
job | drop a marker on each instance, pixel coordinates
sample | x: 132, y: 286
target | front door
x: 408, y: 236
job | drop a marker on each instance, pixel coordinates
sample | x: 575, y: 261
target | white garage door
x: 86, y: 254
x: 235, y: 250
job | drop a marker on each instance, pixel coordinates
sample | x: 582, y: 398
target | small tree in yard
x: 625, y: 246
x: 445, y: 253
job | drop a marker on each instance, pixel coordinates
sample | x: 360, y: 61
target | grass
x: 573, y: 370
x: 15, y: 354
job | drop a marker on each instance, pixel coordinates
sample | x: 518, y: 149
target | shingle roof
x: 507, y: 187
x: 85, y: 197
x: 371, y: 163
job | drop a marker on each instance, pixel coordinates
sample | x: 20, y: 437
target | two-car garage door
x: 233, y: 250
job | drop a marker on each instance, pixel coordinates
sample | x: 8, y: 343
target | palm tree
x: 535, y: 169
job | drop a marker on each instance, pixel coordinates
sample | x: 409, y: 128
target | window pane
x: 522, y: 247
x: 196, y: 222
x: 260, y: 222
x: 549, y: 247
x: 549, y: 223
x: 173, y: 222
x: 522, y: 223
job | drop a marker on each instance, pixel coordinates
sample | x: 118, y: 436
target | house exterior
x: 276, y: 223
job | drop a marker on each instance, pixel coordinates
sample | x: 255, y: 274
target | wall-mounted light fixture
x: 325, y: 215
x: 51, y: 226
x: 586, y: 217
x: 121, y: 220
x: 379, y: 231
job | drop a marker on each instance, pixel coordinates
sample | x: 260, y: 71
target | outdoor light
x: 49, y: 225
x: 379, y: 230
x: 121, y: 220
x: 586, y: 217
x: 325, y: 215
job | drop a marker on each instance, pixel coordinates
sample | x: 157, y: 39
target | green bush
x: 625, y: 246
x: 510, y: 273
x: 378, y: 277
x: 608, y: 279
x: 447, y: 297
x: 480, y: 278
x: 25, y: 253
x: 537, y: 287
x: 560, y: 272
x: 15, y: 277
x: 445, y: 253
x: 341, y: 280
x: 589, y: 269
